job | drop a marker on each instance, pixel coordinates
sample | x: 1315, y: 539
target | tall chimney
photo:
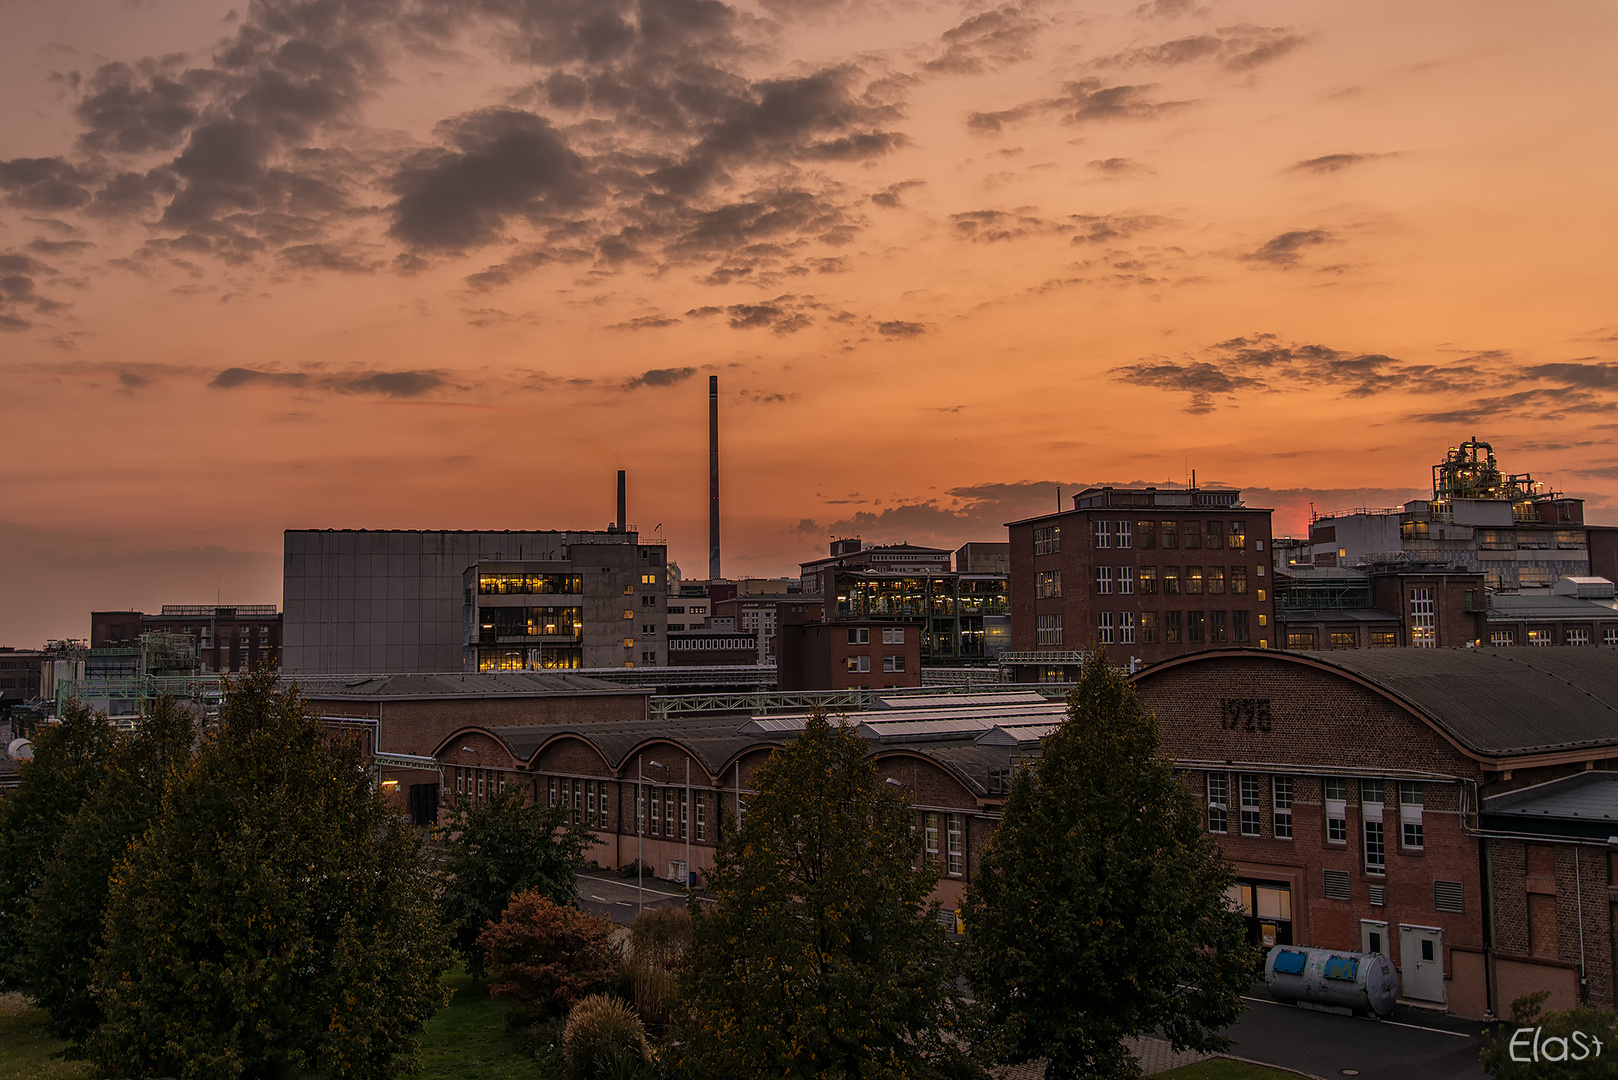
x: 623, y: 500
x: 713, y: 477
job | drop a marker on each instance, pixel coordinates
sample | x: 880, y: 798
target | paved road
x: 1413, y: 1045
x: 618, y: 899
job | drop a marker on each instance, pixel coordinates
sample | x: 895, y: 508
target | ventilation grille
x: 1379, y: 895
x: 1447, y: 896
x: 1336, y: 884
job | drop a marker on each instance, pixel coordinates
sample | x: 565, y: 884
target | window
x: 1168, y: 535
x: 1191, y: 534
x: 1218, y: 631
x: 1502, y: 638
x: 1238, y: 536
x: 1410, y: 803
x: 1336, y: 799
x: 1102, y: 532
x: 1145, y: 534
x: 1215, y: 534
x: 1577, y: 637
x: 1048, y: 540
x: 893, y: 635
x: 648, y: 629
x: 1104, y: 627
x: 1371, y: 820
x: 657, y: 812
x: 702, y: 817
x: 1238, y: 580
x: 648, y: 601
x: 1047, y: 584
x: 629, y: 613
x: 1301, y: 639
x: 1384, y: 639
x: 1341, y: 640
x: 893, y: 663
x: 1609, y: 637
x: 1261, y: 591
x: 1148, y: 580
x: 1047, y: 629
x: 685, y: 814
x: 859, y: 635
x: 1193, y: 579
x: 1238, y: 626
x: 955, y: 829
x: 1215, y: 581
x: 1126, y: 627
x: 1171, y: 628
x: 1148, y: 627
x: 1196, y: 627
x: 578, y: 801
x: 1171, y: 581
x: 1104, y: 580
x: 859, y: 663
x: 1281, y: 799
x: 930, y: 821
x: 1250, y: 806
x: 1540, y: 637
x: 1423, y: 623
x: 553, y: 791
x: 1126, y: 581
x: 1123, y: 533
x: 601, y: 816
x: 1218, y: 793
x: 590, y: 800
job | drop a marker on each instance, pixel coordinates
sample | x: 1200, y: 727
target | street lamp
x: 640, y: 831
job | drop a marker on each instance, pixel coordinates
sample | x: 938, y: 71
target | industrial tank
x: 1331, y: 980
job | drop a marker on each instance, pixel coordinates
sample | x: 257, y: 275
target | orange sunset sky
x: 450, y: 263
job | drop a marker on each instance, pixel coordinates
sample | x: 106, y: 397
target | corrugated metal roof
x: 1588, y: 796
x: 453, y: 684
x: 1503, y: 606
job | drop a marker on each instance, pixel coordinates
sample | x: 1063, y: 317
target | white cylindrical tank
x: 1330, y: 979
x: 20, y: 750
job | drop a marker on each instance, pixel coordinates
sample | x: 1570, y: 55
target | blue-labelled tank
x: 1332, y: 980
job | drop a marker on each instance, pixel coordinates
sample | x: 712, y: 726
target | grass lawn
x: 25, y: 1049
x: 1225, y: 1069
x: 468, y: 1040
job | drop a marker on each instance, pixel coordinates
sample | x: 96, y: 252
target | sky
x: 452, y: 263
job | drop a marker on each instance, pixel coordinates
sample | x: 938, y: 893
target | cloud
x: 784, y: 315
x: 231, y: 378
x: 132, y: 380
x: 1235, y: 48
x: 1330, y: 163
x: 993, y: 226
x: 129, y: 111
x: 1084, y: 101
x: 659, y: 377
x: 20, y: 298
x: 1284, y: 250
x: 893, y: 195
x: 395, y: 384
x: 897, y: 329
x: 986, y: 41
x: 1118, y: 166
x: 53, y: 183
x: 645, y: 322
x: 1595, y: 376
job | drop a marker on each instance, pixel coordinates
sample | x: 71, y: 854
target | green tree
x: 1099, y: 910
x: 822, y: 956
x: 66, y: 909
x: 1580, y: 1043
x: 500, y: 847
x: 277, y: 918
x: 69, y: 762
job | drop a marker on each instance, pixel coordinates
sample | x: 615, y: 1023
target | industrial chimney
x: 713, y: 477
x: 623, y: 514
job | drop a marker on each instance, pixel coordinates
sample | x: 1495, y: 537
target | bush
x: 658, y: 940
x: 544, y: 957
x: 1581, y: 1059
x: 604, y: 1040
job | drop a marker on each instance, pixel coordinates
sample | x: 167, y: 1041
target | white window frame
x: 1576, y: 635
x: 1248, y: 787
x: 1047, y: 629
x: 1502, y: 639
x: 955, y: 844
x: 1412, y: 798
x: 893, y: 635
x: 1281, y: 798
x: 859, y: 663
x: 1123, y: 533
x: 1218, y: 791
x: 1126, y: 581
x: 893, y: 663
x: 1126, y: 627
x: 1336, y: 808
x: 1104, y: 627
x: 1423, y: 619
x: 1101, y: 533
x: 1373, y: 835
x: 1104, y: 580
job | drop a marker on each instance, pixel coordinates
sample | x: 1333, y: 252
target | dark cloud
x: 1166, y: 9
x: 1597, y: 375
x: 59, y: 247
x: 129, y: 111
x: 231, y: 378
x: 645, y: 322
x: 659, y: 377
x: 20, y: 298
x: 132, y: 380
x: 504, y: 163
x: 899, y: 329
x: 1118, y: 166
x: 1084, y: 101
x: 327, y: 257
x: 398, y: 384
x: 784, y: 315
x: 51, y: 183
x: 893, y: 195
x: 1603, y: 472
x: 987, y: 40
x: 1284, y: 250
x: 991, y: 226
x: 1330, y: 163
x: 1237, y: 48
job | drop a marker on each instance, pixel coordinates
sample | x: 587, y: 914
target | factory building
x: 1147, y: 573
x: 225, y: 638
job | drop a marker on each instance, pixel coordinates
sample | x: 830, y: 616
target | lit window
x: 1423, y: 621
x: 629, y: 613
x: 859, y: 663
x: 1047, y: 584
x: 1540, y: 637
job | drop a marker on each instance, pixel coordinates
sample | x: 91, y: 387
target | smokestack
x: 713, y: 477
x: 623, y: 500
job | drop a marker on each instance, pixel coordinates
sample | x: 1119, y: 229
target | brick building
x: 241, y: 637
x: 873, y: 654
x: 1347, y: 791
x: 1146, y: 573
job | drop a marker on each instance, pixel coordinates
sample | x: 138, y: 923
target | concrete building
x: 1147, y: 573
x: 376, y: 601
x: 1347, y: 788
x: 232, y: 638
x: 19, y: 677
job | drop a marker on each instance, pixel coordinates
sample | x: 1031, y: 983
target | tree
x: 822, y: 956
x: 502, y: 847
x: 1099, y: 910
x: 277, y: 917
x: 66, y: 909
x: 544, y: 957
x: 70, y: 759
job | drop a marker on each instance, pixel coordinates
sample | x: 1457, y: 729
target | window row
x: 1174, y: 580
x: 586, y: 800
x: 479, y: 783
x: 1573, y: 635
x: 1165, y: 534
x: 669, y: 812
x: 507, y: 584
x: 952, y: 829
x: 1154, y: 627
x: 863, y: 663
x: 891, y: 635
x: 1252, y: 807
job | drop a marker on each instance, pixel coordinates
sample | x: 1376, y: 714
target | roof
x: 456, y: 684
x: 1501, y: 702
x: 1504, y: 606
x: 1328, y: 615
x: 1585, y: 804
x: 712, y: 740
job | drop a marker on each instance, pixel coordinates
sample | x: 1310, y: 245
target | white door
x: 1374, y: 937
x: 1421, y: 962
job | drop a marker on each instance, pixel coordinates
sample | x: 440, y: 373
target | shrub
x: 604, y: 1040
x: 544, y: 957
x: 658, y: 940
x: 1569, y: 1052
